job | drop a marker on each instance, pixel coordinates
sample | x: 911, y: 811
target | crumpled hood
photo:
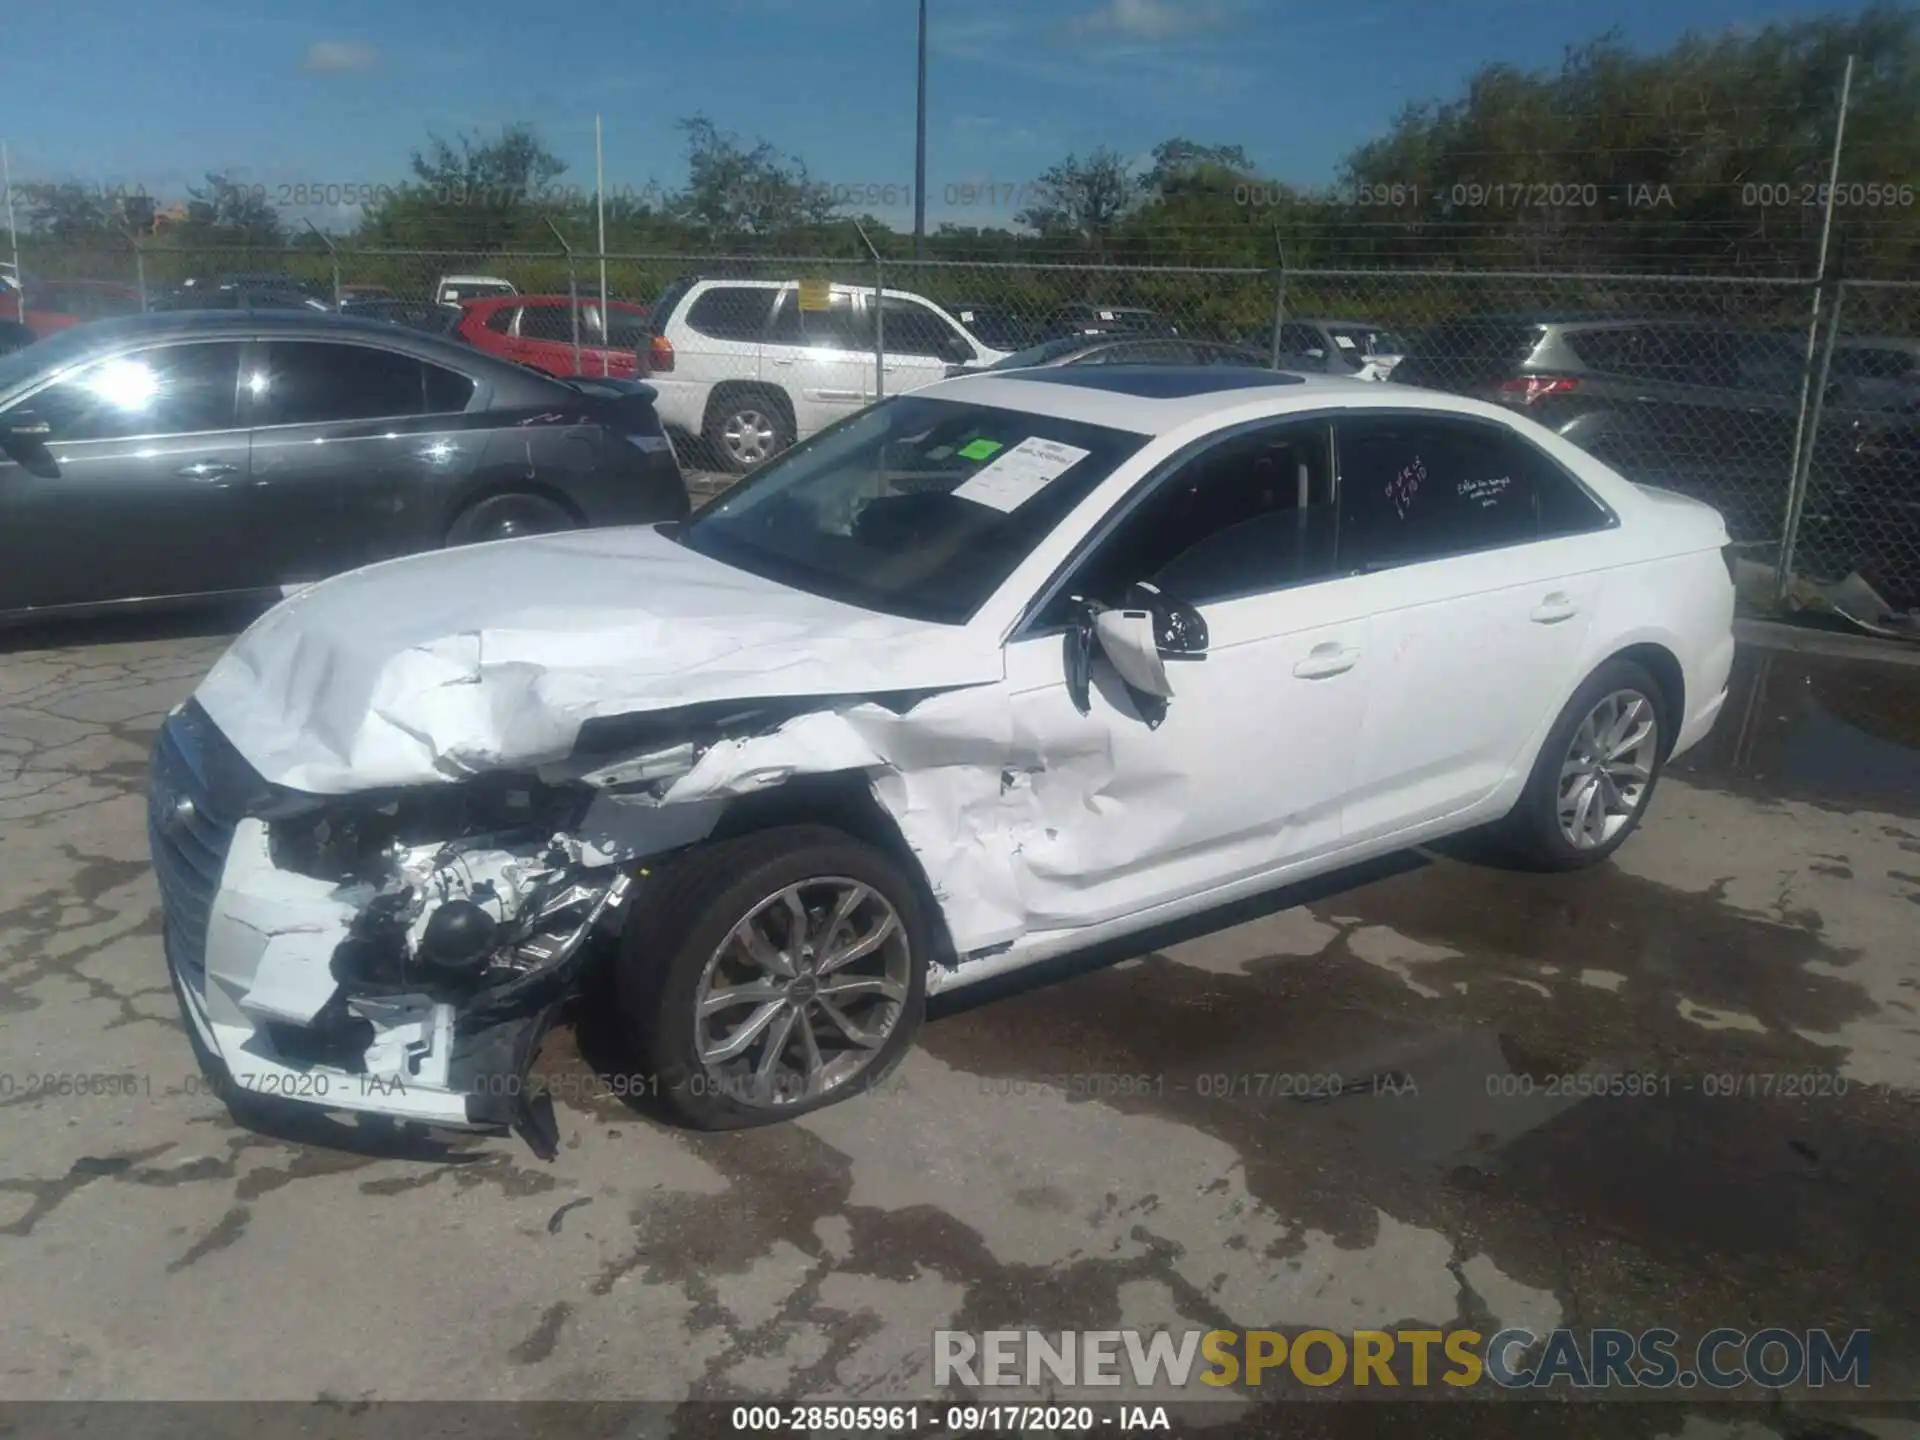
x: 461, y: 661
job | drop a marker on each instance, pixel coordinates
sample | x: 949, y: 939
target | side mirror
x: 24, y: 427
x: 1138, y: 639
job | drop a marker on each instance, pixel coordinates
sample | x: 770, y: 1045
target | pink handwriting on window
x: 1405, y: 485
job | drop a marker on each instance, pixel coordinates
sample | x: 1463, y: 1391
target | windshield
x: 1367, y: 339
x: 473, y: 290
x: 915, y: 507
x: 995, y: 328
x: 1041, y: 354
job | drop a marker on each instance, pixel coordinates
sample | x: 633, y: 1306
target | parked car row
x: 163, y: 456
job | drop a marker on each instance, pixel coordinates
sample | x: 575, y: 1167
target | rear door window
x: 1414, y: 489
x: 552, y: 322
x: 305, y: 382
x: 843, y: 325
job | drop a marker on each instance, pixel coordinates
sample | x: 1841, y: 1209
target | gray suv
x: 1691, y: 405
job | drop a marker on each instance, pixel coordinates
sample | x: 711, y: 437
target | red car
x: 537, y: 330
x: 58, y: 304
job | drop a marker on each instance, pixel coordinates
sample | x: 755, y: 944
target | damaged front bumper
x: 415, y: 983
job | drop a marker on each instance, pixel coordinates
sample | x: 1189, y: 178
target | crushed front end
x: 396, y: 953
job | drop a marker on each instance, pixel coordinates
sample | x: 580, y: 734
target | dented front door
x: 1245, y: 773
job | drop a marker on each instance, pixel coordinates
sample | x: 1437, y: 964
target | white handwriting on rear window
x: 1405, y: 485
x: 1484, y: 492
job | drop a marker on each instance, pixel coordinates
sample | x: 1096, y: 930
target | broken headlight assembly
x: 460, y: 889
x: 354, y: 839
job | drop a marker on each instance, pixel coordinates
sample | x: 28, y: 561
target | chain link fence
x: 1861, y: 511
x: 1791, y: 405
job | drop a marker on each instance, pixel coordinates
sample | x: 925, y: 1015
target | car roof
x: 1157, y: 400
x: 314, y: 325
x: 1338, y: 320
x: 550, y: 299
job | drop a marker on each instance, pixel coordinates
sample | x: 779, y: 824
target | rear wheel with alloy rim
x: 747, y: 430
x: 507, y: 517
x: 1595, y: 774
x: 774, y: 974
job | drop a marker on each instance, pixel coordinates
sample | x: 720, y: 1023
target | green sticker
x: 979, y: 449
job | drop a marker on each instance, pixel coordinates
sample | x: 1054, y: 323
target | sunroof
x: 1160, y: 382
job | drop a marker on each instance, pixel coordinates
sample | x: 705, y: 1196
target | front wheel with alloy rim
x: 747, y: 430
x: 1595, y: 774
x: 774, y: 974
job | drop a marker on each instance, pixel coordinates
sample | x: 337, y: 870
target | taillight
x: 659, y: 355
x: 1537, y: 387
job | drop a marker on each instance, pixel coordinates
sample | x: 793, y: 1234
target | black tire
x: 507, y: 517
x: 1531, y: 836
x: 674, y: 933
x: 745, y: 428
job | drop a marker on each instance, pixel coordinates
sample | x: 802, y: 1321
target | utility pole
x: 920, y: 147
x: 13, y: 235
x: 600, y: 205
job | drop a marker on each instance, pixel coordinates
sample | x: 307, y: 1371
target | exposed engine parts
x: 454, y: 918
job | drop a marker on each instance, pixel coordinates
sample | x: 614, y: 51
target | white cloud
x: 1147, y: 19
x: 338, y: 57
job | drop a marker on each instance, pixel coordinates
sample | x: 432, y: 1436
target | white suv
x: 750, y: 366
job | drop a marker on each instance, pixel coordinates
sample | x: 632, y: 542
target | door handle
x: 1326, y: 660
x: 1555, y: 608
x: 789, y: 361
x: 208, y: 470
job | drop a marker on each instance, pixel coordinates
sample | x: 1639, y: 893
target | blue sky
x: 155, y: 93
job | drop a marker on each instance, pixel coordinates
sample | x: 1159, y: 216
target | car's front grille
x: 188, y: 835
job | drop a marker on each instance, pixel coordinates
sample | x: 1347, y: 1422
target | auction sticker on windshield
x: 1020, y: 474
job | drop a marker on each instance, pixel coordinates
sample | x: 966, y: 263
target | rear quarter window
x: 732, y: 312
x: 1413, y: 488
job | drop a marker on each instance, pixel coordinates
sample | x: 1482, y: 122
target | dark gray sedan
x: 160, y: 457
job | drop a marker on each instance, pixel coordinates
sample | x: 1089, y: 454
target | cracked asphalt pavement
x: 1763, y: 923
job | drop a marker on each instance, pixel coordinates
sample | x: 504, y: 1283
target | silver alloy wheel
x: 748, y: 436
x: 510, y: 526
x: 1604, y: 777
x: 800, y: 997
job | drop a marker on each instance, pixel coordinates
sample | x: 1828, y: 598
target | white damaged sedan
x: 989, y: 672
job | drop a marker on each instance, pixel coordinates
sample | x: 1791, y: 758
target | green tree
x: 1673, y: 160
x: 69, y: 212
x: 476, y: 192
x: 1182, y: 167
x: 1084, y: 198
x: 736, y: 190
x: 226, y: 212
